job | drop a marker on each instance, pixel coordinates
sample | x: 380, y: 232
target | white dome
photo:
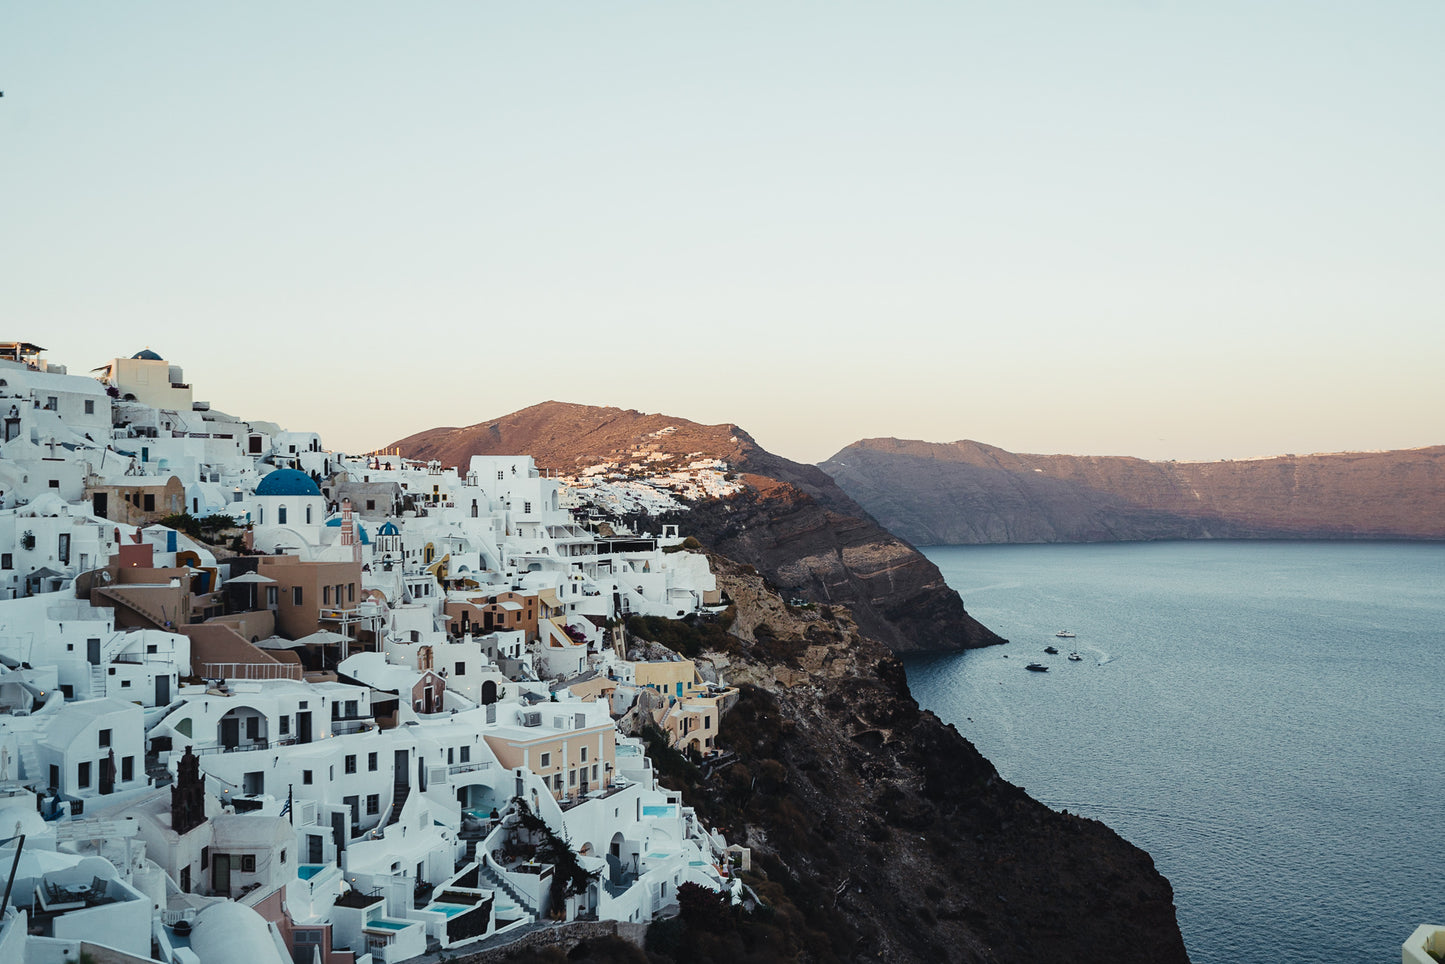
x: 229, y: 933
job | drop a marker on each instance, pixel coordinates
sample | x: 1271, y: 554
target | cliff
x: 966, y: 492
x: 877, y: 832
x: 792, y: 521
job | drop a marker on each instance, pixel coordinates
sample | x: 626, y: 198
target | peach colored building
x: 570, y: 761
x: 304, y: 589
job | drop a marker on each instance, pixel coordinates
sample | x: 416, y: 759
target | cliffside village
x: 387, y: 718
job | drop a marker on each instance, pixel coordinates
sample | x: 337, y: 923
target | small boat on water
x: 1037, y: 667
x: 1051, y: 650
x: 1064, y: 634
x: 1074, y: 657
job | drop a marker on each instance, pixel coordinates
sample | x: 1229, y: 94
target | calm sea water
x: 1265, y: 718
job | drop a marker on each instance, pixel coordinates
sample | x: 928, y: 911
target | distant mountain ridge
x: 966, y: 492
x: 793, y: 522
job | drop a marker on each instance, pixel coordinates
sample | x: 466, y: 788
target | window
x: 526, y: 508
x: 373, y: 803
x: 466, y: 754
x: 500, y: 475
x: 52, y: 402
x: 295, y: 595
x: 325, y: 595
x: 371, y: 762
x: 283, y: 856
x: 82, y: 775
x: 90, y: 406
x: 370, y: 504
x: 461, y: 669
x: 271, y: 597
x: 105, y: 738
x: 350, y: 592
x: 205, y: 857
x: 546, y: 760
x: 150, y: 502
x: 594, y: 773
x: 151, y: 648
x: 451, y: 756
x: 7, y: 560
x: 306, y: 777
x: 584, y: 754
x: 281, y: 514
x: 55, y: 483
x: 248, y: 863
x: 127, y: 768
x: 285, y: 725
x: 351, y: 763
x: 571, y: 778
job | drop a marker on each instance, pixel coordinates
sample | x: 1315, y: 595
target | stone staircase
x: 97, y: 682
x: 491, y: 878
x: 30, y: 768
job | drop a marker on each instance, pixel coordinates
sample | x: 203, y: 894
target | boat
x: 1074, y: 657
x: 1064, y: 634
x: 1037, y: 667
x: 1051, y: 650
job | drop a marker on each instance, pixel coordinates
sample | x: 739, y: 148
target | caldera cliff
x: 966, y: 492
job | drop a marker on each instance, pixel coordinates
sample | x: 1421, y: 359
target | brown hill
x: 966, y: 492
x: 793, y: 522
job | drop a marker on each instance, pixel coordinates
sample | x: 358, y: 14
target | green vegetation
x: 690, y: 636
x: 203, y: 528
x: 568, y: 876
x: 687, y: 545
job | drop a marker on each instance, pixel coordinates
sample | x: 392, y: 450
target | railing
x: 241, y: 748
x: 470, y: 767
x: 248, y: 670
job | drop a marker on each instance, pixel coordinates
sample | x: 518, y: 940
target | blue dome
x: 288, y: 482
x: 335, y: 523
x: 388, y: 529
x: 148, y: 355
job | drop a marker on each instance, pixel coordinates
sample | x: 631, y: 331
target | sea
x: 1266, y: 719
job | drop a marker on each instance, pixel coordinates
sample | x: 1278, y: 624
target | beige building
x: 140, y: 501
x: 148, y: 378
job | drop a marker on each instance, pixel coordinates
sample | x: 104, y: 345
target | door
x: 230, y: 732
x: 313, y: 849
x: 303, y: 727
x: 163, y: 690
x: 399, y: 770
x: 221, y: 874
x: 98, y: 503
x: 92, y: 651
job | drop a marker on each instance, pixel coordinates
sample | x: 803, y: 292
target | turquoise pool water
x: 391, y: 925
x: 307, y: 871
x: 659, y: 810
x: 451, y: 910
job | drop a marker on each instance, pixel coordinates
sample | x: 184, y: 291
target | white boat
x: 1075, y: 657
x: 1064, y: 634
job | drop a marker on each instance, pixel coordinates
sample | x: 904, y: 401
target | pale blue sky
x: 1169, y: 230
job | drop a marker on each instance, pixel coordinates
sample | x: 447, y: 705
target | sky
x: 1169, y: 230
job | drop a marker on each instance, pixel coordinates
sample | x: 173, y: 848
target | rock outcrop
x: 965, y: 492
x: 792, y: 522
x: 883, y: 833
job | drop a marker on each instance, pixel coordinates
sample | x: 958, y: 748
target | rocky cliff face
x: 883, y: 834
x: 793, y: 522
x: 966, y: 492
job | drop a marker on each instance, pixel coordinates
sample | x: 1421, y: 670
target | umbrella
x: 323, y: 637
x: 252, y: 579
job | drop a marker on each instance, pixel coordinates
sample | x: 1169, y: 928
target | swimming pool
x: 390, y: 925
x: 451, y: 910
x: 307, y: 871
x: 659, y: 810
